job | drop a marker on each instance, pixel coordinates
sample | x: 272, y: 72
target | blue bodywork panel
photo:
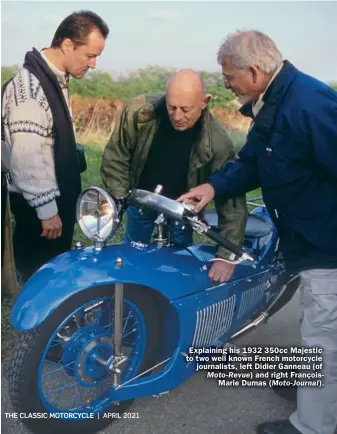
x: 207, y: 313
x: 175, y: 273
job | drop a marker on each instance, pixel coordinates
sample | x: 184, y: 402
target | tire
x: 30, y: 349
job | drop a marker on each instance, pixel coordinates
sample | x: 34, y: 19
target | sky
x: 180, y: 34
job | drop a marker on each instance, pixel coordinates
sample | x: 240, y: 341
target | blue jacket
x: 291, y: 153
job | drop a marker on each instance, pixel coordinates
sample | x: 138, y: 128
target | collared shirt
x: 257, y: 106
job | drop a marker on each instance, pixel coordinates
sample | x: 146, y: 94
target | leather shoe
x: 277, y: 427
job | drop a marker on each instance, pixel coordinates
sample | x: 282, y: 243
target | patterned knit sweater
x: 29, y: 142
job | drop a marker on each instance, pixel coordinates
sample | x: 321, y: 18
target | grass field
x: 94, y: 149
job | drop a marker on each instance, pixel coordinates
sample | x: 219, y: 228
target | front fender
x: 172, y: 272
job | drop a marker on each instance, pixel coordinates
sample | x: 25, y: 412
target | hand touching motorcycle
x: 199, y: 196
x: 221, y: 271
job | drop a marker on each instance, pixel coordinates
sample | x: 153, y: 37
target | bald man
x: 173, y: 140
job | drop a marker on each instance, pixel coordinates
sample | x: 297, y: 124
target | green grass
x: 92, y: 177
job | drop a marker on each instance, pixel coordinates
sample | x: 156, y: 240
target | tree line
x: 100, y: 84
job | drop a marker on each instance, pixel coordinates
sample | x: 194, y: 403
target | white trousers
x: 317, y: 407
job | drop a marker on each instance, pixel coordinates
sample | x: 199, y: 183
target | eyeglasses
x: 227, y: 79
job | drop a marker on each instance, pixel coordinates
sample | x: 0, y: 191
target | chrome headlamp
x: 97, y: 214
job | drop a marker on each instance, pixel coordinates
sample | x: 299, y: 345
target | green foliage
x: 153, y: 78
x: 98, y: 84
x: 7, y: 72
x: 221, y: 97
x: 150, y: 79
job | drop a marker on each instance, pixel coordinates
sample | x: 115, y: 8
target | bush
x: 99, y: 84
x: 7, y: 72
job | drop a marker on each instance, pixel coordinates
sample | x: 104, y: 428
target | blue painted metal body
x: 207, y: 314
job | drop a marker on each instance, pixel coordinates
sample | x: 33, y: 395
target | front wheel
x: 58, y: 369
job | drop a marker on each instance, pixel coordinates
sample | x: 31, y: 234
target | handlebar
x: 215, y: 236
x: 182, y: 213
x: 202, y: 228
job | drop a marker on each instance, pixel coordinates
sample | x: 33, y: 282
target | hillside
x: 98, y: 98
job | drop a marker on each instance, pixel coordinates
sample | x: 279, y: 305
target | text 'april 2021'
x: 70, y: 415
x: 257, y: 366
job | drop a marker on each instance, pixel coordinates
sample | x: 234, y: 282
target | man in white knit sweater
x: 39, y: 148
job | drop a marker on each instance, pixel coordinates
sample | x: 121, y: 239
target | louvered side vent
x: 251, y: 297
x: 212, y: 322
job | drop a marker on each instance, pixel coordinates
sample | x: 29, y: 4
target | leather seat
x: 256, y: 226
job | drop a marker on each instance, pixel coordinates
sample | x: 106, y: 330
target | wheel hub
x: 89, y: 357
x: 90, y: 367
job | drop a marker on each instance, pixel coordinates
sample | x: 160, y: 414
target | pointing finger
x: 188, y: 195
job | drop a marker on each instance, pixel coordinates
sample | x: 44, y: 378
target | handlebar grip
x: 223, y: 242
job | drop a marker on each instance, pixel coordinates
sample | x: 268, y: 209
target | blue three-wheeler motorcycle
x: 103, y: 325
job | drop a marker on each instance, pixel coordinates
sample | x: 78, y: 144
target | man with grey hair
x: 250, y: 61
x: 291, y: 153
x: 173, y: 140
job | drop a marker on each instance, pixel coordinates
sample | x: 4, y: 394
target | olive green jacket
x: 128, y: 147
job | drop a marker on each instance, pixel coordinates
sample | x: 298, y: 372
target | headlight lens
x: 97, y: 214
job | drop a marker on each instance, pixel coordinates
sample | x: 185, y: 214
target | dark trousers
x: 31, y: 250
x: 139, y: 228
x: 3, y: 213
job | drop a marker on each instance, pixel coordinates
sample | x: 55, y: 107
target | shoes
x: 288, y: 393
x: 277, y: 427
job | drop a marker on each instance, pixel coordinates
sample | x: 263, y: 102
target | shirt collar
x: 257, y: 105
x: 62, y: 77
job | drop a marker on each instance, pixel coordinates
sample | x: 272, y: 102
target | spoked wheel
x: 62, y: 367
